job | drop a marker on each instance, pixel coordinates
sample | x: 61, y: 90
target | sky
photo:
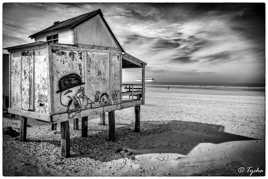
x: 186, y: 43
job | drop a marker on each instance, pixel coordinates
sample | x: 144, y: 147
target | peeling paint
x: 41, y: 81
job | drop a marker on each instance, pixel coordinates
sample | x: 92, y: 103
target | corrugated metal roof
x: 28, y: 45
x: 69, y: 23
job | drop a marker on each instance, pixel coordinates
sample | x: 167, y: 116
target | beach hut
x: 73, y: 71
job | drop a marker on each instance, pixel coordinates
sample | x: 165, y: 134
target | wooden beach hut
x: 73, y: 71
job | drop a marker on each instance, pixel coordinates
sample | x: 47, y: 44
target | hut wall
x: 65, y: 36
x: 91, y: 78
x: 29, y: 80
x: 94, y: 32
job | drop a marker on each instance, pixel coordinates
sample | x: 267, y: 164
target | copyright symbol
x: 241, y: 170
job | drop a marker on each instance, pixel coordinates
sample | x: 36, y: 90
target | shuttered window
x: 53, y: 38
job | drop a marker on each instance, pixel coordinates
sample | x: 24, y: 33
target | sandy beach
x: 183, y: 132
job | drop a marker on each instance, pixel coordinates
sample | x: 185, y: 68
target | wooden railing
x: 131, y: 91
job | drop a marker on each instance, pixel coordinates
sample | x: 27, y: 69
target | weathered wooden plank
x: 42, y: 81
x: 115, y: 78
x: 32, y: 95
x: 111, y: 117
x: 137, y: 119
x: 84, y: 126
x: 76, y: 124
x: 30, y: 114
x: 121, y: 78
x: 23, y: 128
x: 85, y: 47
x: 26, y: 86
x: 65, y: 139
x: 96, y: 111
x: 15, y: 80
x: 143, y: 84
x: 102, y: 118
x: 9, y: 86
x: 51, y: 81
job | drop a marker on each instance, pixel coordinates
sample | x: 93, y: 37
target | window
x: 53, y: 39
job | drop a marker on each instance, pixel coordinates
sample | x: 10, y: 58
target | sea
x: 214, y: 89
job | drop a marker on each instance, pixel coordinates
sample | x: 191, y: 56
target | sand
x: 183, y: 132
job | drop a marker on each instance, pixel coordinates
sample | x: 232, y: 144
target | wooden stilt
x: 23, y: 128
x: 102, y: 118
x: 65, y: 139
x: 111, y: 126
x: 76, y: 124
x: 137, y: 118
x: 53, y: 126
x: 84, y: 126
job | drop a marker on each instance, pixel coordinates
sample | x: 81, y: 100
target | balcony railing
x: 131, y: 91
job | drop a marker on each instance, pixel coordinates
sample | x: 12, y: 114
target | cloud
x: 183, y: 40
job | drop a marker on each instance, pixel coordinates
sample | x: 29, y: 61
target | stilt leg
x: 137, y: 118
x: 23, y: 128
x: 76, y: 124
x: 111, y: 126
x: 65, y: 139
x: 84, y: 126
x: 102, y: 118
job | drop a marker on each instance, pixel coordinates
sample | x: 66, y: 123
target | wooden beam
x: 84, y: 126
x: 102, y: 118
x: 76, y: 124
x: 143, y: 84
x: 58, y: 117
x: 30, y: 114
x: 65, y: 139
x: 111, y: 116
x: 53, y: 126
x: 137, y: 118
x: 23, y: 128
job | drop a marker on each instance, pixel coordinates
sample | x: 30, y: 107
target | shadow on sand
x: 155, y: 137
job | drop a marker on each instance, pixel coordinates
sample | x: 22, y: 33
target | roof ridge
x: 91, y: 12
x: 58, y: 25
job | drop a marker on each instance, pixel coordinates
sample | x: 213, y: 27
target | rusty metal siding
x: 94, y: 32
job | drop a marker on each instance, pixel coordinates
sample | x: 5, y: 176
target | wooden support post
x: 84, y: 126
x: 111, y: 126
x: 102, y: 118
x: 23, y: 129
x: 65, y: 139
x: 137, y: 118
x: 53, y: 126
x: 76, y: 124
